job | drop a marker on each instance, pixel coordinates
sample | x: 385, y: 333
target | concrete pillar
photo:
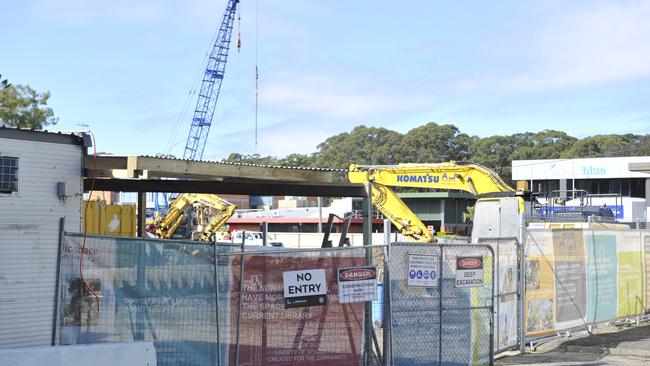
x: 142, y: 214
x: 563, y: 188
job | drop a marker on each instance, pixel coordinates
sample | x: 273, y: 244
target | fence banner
x: 630, y: 274
x: 578, y: 277
x: 540, y: 283
x: 264, y: 331
x: 570, y: 278
x: 645, y: 248
x: 507, y: 291
x: 139, y: 290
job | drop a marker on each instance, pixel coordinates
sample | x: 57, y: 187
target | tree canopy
x: 432, y: 142
x: 21, y: 106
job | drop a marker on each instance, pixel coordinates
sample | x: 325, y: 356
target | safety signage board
x: 469, y: 271
x: 357, y: 284
x: 304, y: 288
x: 423, y: 270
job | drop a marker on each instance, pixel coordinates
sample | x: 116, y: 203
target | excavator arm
x: 224, y: 210
x: 472, y: 178
x: 167, y: 225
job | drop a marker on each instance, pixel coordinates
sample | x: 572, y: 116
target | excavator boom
x: 471, y: 178
x: 167, y: 225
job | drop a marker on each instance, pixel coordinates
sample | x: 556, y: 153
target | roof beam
x: 263, y: 188
x: 153, y: 167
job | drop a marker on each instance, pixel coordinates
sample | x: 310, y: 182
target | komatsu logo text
x: 423, y: 178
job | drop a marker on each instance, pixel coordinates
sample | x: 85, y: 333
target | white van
x: 252, y: 238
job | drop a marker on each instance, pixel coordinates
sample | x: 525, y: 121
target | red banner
x: 331, y: 334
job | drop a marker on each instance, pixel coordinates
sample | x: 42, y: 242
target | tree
x: 433, y: 143
x: 21, y: 106
x: 608, y: 145
x: 296, y: 160
x: 547, y: 144
x: 495, y: 152
x: 251, y: 159
x: 364, y: 145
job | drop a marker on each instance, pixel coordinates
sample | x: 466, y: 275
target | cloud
x: 326, y: 95
x: 608, y: 43
x: 596, y: 43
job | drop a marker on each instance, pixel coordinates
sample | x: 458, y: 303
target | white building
x: 597, y: 176
x: 40, y: 188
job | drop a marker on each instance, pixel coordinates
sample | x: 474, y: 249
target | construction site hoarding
x: 263, y: 329
x: 202, y: 311
x: 580, y: 277
x: 139, y: 290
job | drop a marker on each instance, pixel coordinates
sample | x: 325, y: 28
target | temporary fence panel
x: 441, y: 304
x: 295, y: 307
x: 577, y: 278
x: 507, y: 291
x: 139, y: 290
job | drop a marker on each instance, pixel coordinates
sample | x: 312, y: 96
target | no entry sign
x: 304, y: 288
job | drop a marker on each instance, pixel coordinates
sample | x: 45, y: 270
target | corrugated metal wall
x: 29, y: 230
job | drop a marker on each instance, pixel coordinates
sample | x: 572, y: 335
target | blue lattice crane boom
x: 208, y: 95
x: 210, y: 86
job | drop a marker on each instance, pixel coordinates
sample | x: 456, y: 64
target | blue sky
x: 498, y: 67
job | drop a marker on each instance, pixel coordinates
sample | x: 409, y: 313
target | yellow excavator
x: 473, y: 178
x: 498, y: 210
x: 165, y: 226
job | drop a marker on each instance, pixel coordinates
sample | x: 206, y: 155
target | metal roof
x: 30, y: 134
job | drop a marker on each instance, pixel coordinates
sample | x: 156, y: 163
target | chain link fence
x: 262, y: 323
x: 441, y: 304
x: 204, y: 304
x: 120, y: 290
x: 508, y: 291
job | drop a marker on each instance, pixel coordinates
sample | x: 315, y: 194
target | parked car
x: 252, y: 238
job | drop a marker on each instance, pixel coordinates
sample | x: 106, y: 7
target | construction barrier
x: 447, y: 304
x: 261, y: 306
x: 296, y: 307
x: 578, y: 278
x: 441, y: 304
x: 139, y: 290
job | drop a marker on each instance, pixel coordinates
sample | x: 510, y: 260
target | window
x: 8, y: 174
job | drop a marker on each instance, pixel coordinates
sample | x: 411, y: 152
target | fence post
x: 241, y: 285
x: 55, y: 323
x: 367, y: 241
x: 522, y: 284
x: 441, y: 270
x: 216, y: 300
x: 387, y: 321
x: 493, y: 320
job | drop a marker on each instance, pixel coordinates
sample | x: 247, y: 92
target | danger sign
x: 469, y: 271
x: 358, y: 284
x: 304, y: 288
